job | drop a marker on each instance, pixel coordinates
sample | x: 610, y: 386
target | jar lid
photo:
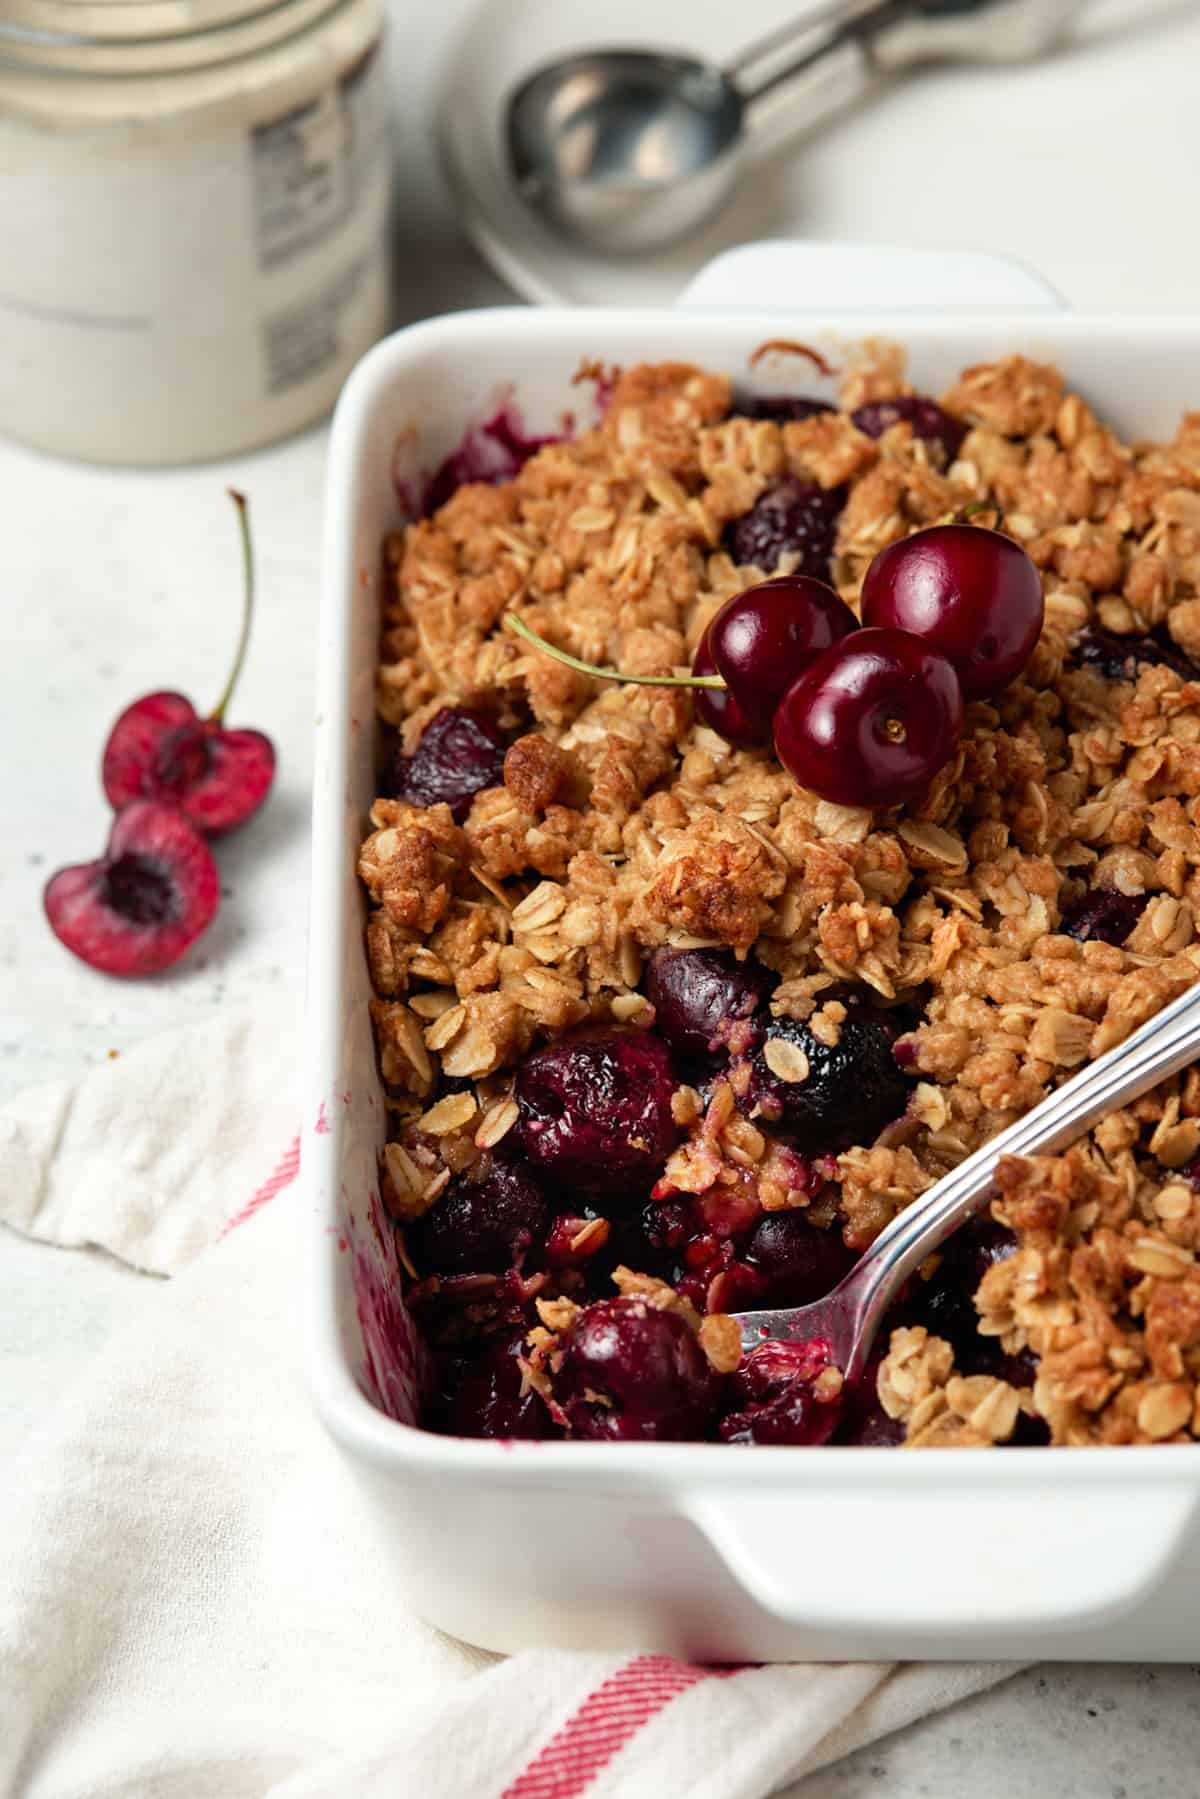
x: 169, y: 40
x: 123, y: 19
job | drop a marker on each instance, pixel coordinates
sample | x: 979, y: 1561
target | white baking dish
x: 702, y: 1550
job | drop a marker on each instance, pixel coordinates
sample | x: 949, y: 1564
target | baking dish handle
x: 859, y: 1557
x: 822, y: 277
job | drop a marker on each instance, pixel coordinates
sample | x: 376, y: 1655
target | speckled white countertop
x: 117, y: 582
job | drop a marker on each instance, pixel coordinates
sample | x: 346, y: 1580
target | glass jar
x: 193, y: 207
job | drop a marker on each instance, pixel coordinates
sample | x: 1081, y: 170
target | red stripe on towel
x: 603, y: 1724
x: 285, y: 1173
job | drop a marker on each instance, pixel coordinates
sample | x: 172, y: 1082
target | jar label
x: 170, y: 294
x: 309, y: 165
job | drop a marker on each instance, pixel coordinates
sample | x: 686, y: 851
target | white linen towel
x: 194, y: 1599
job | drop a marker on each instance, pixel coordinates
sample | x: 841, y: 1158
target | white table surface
x: 115, y: 583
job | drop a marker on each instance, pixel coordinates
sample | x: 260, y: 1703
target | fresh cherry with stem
x: 161, y: 749
x: 766, y: 636
x: 717, y: 708
x: 756, y: 644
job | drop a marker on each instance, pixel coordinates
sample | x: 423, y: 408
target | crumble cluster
x: 621, y: 825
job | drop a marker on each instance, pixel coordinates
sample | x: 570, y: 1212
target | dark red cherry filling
x: 485, y: 1396
x: 797, y: 1262
x: 1104, y: 914
x: 486, y: 1221
x: 795, y: 517
x: 1117, y: 658
x: 945, y: 1304
x: 783, y: 408
x: 700, y: 995
x: 775, y: 1399
x: 1029, y: 1433
x: 928, y: 420
x: 849, y: 1092
x: 863, y: 1420
x: 494, y: 450
x: 631, y: 1371
x: 596, y: 1111
x: 460, y: 753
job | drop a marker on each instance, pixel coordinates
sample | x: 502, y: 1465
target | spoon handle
x: 833, y: 12
x: 837, y: 62
x: 1167, y: 1043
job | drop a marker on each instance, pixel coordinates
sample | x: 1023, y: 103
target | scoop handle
x: 876, y: 36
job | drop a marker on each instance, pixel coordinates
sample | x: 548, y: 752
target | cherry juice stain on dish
x: 322, y: 1127
x: 395, y: 1360
x: 493, y: 449
x: 497, y: 447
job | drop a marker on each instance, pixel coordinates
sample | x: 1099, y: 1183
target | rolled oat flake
x: 193, y: 201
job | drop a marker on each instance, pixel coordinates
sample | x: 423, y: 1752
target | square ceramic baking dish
x: 701, y: 1550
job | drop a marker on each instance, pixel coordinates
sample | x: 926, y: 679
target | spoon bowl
x: 625, y: 149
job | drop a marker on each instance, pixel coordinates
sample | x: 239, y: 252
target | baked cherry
x: 928, y: 420
x: 794, y: 1417
x: 777, y: 1401
x: 945, y: 1304
x: 871, y: 721
x: 147, y: 899
x: 461, y: 751
x: 973, y: 594
x: 793, y: 516
x: 631, y: 1370
x: 863, y: 1421
x: 668, y: 1223
x: 825, y: 1098
x: 1117, y: 658
x: 699, y: 995
x: 783, y: 408
x: 797, y: 1261
x: 161, y: 749
x: 717, y: 708
x: 1104, y: 914
x: 766, y: 636
x: 488, y: 1397
x: 1028, y: 1433
x: 485, y: 1221
x: 596, y: 1110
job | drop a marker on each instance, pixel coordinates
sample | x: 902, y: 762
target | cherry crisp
x: 666, y: 1036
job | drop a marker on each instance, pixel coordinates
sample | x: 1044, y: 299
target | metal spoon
x: 849, y: 1316
x: 626, y: 149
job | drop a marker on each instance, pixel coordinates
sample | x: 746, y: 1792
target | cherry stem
x: 217, y: 715
x: 608, y: 674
